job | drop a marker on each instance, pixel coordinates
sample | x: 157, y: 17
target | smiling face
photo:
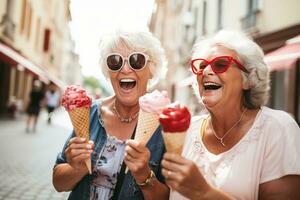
x: 222, y: 90
x: 128, y: 84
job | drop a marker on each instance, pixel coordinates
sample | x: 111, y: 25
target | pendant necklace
x: 124, y: 119
x: 221, y: 139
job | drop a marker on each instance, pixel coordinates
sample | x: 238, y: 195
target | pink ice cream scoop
x: 154, y: 102
x: 151, y: 105
x: 75, y: 97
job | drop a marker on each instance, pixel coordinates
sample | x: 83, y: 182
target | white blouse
x: 268, y: 151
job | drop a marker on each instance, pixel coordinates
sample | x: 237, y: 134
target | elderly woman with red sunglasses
x: 131, y: 61
x: 240, y: 149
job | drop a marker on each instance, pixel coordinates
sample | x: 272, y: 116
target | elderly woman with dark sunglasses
x: 131, y: 61
x: 240, y: 149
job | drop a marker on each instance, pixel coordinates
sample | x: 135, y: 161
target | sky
x: 93, y: 18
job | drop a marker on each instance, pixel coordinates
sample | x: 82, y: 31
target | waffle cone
x: 80, y: 118
x: 147, y: 124
x: 174, y: 142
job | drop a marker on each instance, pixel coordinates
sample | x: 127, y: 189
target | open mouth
x: 212, y: 86
x: 127, y: 84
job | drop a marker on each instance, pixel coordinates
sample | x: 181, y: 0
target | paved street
x: 26, y: 159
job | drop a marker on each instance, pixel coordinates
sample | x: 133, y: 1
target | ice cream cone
x: 80, y: 118
x: 147, y: 124
x: 174, y: 142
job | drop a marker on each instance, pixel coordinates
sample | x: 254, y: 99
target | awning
x: 56, y: 81
x: 23, y: 62
x: 284, y: 57
x: 14, y: 57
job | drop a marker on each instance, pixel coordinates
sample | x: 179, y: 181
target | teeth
x: 211, y: 84
x: 127, y: 80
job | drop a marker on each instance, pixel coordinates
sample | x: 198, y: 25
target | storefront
x: 285, y: 77
x: 17, y: 74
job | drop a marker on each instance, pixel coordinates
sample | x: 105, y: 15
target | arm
x: 286, y: 187
x: 67, y: 175
x: 136, y: 159
x: 184, y: 176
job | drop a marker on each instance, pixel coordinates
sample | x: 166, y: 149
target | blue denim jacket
x: 129, y: 190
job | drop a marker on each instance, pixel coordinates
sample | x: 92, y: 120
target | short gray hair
x: 143, y: 41
x: 251, y: 57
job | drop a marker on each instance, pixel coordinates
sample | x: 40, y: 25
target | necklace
x: 221, y: 139
x: 124, y: 119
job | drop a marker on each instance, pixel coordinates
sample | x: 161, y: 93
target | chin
x: 209, y: 103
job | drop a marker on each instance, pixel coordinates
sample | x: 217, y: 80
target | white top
x: 268, y: 151
x: 53, y: 98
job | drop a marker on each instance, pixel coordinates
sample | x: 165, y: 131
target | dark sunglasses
x: 218, y: 65
x: 136, y: 60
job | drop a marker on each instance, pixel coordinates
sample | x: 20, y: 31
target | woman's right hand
x: 78, y: 151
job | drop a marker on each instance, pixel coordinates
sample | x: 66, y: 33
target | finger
x: 136, y: 145
x: 131, y: 165
x: 167, y: 174
x: 91, y: 142
x: 80, y: 158
x: 81, y: 146
x: 77, y: 140
x: 76, y: 152
x: 138, y: 162
x: 172, y: 166
x: 174, y: 158
x: 128, y: 157
x: 133, y: 152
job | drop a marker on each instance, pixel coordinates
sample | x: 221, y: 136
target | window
x: 23, y: 16
x: 37, y: 34
x: 47, y: 35
x: 29, y: 21
x: 204, y: 18
x: 249, y: 20
x: 219, y: 17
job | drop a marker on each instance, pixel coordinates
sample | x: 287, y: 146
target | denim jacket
x: 129, y: 190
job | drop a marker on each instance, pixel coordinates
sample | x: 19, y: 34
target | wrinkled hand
x: 78, y: 151
x: 136, y: 158
x: 184, y: 176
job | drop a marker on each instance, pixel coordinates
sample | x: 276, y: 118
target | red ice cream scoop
x: 75, y: 97
x: 175, y: 118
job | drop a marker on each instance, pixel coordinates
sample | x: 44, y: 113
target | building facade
x: 269, y: 22
x: 34, y: 44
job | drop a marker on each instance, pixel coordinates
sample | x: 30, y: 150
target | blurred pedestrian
x: 53, y: 99
x: 34, y: 106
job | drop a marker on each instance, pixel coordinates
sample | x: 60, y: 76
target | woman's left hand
x: 184, y: 176
x: 136, y: 158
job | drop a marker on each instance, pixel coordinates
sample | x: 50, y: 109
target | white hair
x: 142, y: 41
x: 251, y: 57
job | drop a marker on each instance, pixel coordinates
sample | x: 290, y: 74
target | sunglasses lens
x: 199, y: 65
x: 220, y: 65
x: 114, y: 62
x: 137, y: 61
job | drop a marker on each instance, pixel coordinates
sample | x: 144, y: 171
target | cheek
x: 199, y: 82
x: 113, y: 79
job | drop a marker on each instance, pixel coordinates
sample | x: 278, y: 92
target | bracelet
x: 149, y: 181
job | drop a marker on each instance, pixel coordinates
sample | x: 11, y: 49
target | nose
x: 126, y: 68
x: 208, y: 70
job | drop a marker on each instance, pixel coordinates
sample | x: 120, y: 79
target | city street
x: 27, y: 158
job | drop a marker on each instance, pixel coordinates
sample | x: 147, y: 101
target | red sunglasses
x: 218, y: 65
